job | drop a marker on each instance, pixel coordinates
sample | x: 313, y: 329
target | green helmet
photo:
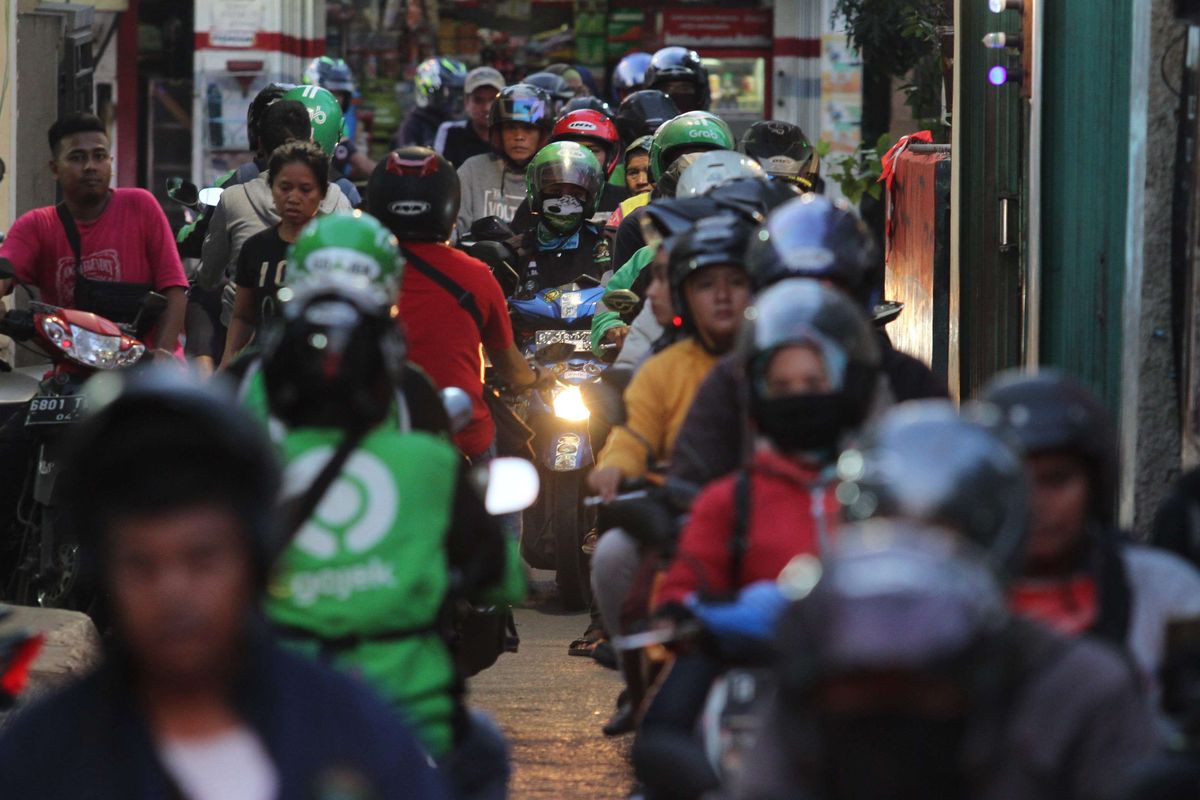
x: 324, y: 112
x: 695, y: 129
x: 564, y: 162
x: 349, y: 249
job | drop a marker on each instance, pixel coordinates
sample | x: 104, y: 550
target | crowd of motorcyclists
x: 816, y: 575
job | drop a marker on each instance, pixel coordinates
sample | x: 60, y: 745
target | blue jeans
x: 479, y: 768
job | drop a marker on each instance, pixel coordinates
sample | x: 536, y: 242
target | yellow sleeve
x: 633, y: 446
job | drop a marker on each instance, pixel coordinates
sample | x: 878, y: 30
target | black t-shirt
x: 590, y: 256
x: 461, y: 143
x: 261, y: 266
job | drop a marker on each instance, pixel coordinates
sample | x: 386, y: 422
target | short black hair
x: 283, y: 121
x: 71, y: 124
x: 307, y: 153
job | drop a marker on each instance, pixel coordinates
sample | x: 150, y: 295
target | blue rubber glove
x: 752, y: 616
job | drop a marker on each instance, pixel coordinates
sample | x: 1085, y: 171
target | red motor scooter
x: 79, y: 344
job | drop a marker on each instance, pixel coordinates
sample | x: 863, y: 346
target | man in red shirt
x: 451, y: 304
x: 124, y: 235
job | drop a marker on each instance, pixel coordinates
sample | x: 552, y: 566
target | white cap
x: 483, y: 76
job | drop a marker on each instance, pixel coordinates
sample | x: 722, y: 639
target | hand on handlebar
x: 616, y: 336
x: 605, y: 482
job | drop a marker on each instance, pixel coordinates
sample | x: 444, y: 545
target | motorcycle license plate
x: 581, y: 339
x: 55, y: 410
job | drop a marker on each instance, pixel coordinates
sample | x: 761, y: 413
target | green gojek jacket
x: 623, y: 278
x: 372, y: 564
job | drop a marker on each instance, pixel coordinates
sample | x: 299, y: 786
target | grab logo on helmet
x: 316, y: 116
x: 356, y: 512
x: 704, y: 133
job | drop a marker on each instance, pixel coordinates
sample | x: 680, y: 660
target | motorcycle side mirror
x: 211, y: 196
x: 555, y: 352
x: 622, y: 301
x: 886, y: 312
x: 183, y: 192
x: 458, y: 407
x: 512, y: 486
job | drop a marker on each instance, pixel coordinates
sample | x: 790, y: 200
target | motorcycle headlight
x: 569, y: 405
x: 92, y: 349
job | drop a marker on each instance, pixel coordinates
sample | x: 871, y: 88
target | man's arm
x: 170, y: 325
x: 711, y: 441
x: 214, y: 254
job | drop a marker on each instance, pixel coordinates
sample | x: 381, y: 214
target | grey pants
x: 614, y: 566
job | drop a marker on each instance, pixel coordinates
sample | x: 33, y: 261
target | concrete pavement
x: 551, y: 706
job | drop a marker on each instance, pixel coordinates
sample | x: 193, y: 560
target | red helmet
x: 588, y: 125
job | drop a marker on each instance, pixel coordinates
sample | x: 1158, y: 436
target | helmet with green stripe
x: 324, y: 112
x: 350, y: 250
x: 439, y: 83
x: 693, y: 132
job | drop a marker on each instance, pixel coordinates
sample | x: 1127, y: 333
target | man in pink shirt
x: 124, y: 235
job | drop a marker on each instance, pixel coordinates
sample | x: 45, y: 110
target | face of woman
x: 296, y: 193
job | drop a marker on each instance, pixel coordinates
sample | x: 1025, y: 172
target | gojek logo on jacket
x: 352, y: 519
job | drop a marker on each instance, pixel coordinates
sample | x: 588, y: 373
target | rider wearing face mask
x: 902, y: 675
x: 563, y: 183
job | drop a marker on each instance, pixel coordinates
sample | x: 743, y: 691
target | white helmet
x: 714, y: 168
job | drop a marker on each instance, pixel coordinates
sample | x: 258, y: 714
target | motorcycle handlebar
x: 18, y: 324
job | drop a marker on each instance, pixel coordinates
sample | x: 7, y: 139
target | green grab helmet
x: 564, y: 162
x: 324, y: 112
x: 349, y: 249
x: 695, y: 129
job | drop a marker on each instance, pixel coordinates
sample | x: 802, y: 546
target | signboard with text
x: 711, y: 26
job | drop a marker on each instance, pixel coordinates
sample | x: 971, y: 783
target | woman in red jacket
x: 812, y: 364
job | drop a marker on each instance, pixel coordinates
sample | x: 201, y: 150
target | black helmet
x: 924, y: 462
x: 813, y: 237
x: 891, y: 596
x: 204, y: 449
x: 642, y: 112
x: 590, y: 103
x: 784, y: 152
x: 521, y: 102
x: 629, y: 75
x: 269, y: 94
x: 1048, y: 410
x: 752, y: 198
x: 673, y: 66
x: 807, y: 313
x: 555, y: 87
x: 334, y: 361
x: 712, y: 240
x: 415, y: 193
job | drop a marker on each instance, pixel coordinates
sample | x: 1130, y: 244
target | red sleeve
x: 23, y: 246
x: 702, y: 559
x: 162, y: 254
x: 497, y: 327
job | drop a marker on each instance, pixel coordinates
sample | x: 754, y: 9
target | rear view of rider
x: 493, y: 185
x: 812, y: 367
x: 385, y: 542
x: 807, y: 237
x: 563, y: 183
x: 335, y: 75
x: 679, y: 73
x: 439, y: 88
x: 1080, y: 574
x: 451, y: 304
x: 784, y: 152
x: 902, y: 675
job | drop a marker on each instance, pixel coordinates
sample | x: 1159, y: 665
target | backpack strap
x: 297, y: 511
x: 72, y: 231
x: 739, y: 538
x: 465, y: 299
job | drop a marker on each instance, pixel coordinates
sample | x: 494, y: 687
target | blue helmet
x: 814, y: 237
x: 629, y: 75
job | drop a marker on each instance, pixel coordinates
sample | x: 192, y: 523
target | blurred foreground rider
x: 194, y: 700
x: 1080, y: 573
x: 901, y: 675
x: 389, y: 528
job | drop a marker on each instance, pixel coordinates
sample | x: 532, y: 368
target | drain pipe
x: 1033, y: 255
